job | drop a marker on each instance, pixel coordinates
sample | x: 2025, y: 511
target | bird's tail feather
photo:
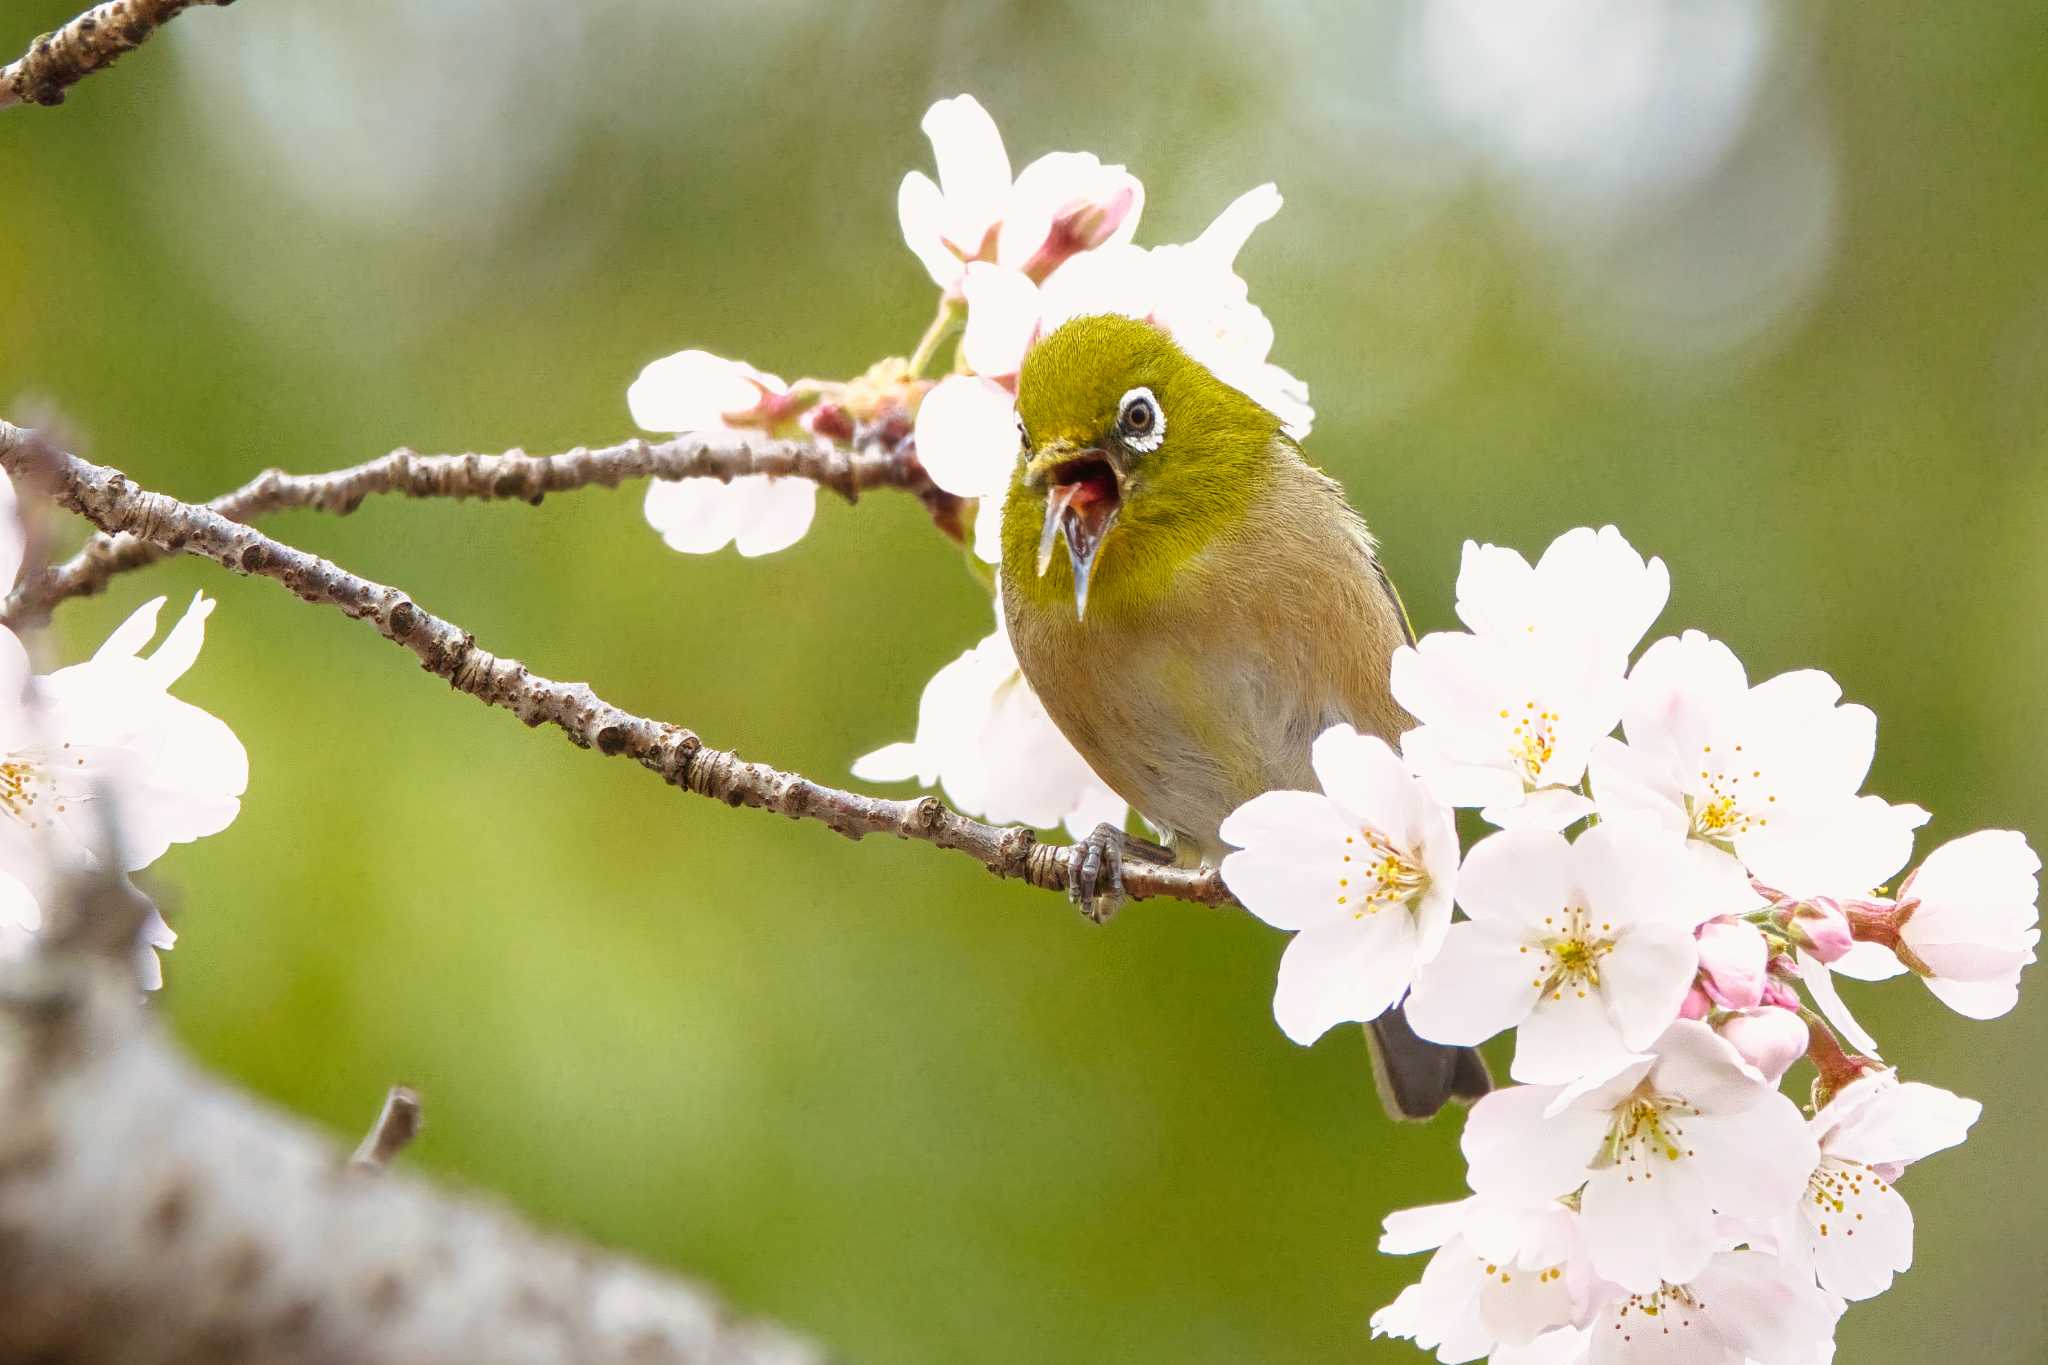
x: 1416, y: 1077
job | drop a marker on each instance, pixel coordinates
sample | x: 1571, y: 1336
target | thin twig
x: 111, y: 501
x: 89, y: 43
x: 398, y: 1123
x: 884, y: 459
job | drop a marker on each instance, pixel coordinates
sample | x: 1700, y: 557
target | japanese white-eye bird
x: 1216, y: 604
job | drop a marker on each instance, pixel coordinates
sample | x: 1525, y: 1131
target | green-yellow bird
x: 1215, y: 606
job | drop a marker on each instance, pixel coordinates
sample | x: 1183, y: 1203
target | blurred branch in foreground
x: 151, y: 1215
x: 56, y: 61
x: 882, y: 459
x: 112, y: 502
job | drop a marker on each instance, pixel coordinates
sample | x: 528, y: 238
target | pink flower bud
x: 1769, y: 1039
x: 1732, y: 960
x: 1820, y: 926
x: 1697, y: 1005
x: 1780, y: 994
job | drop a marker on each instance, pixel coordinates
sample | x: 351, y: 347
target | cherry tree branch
x: 56, y: 61
x: 883, y: 458
x: 151, y: 1216
x: 398, y: 1123
x: 112, y: 502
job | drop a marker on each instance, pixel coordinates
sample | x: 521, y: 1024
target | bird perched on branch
x: 1194, y: 603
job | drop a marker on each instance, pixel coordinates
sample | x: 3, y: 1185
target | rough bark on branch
x: 56, y: 61
x: 884, y: 459
x: 150, y: 1216
x: 112, y: 502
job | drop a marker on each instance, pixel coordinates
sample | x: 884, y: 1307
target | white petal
x: 1859, y: 1228
x: 132, y: 634
x: 775, y: 513
x: 1096, y: 805
x: 1631, y: 783
x: 1977, y: 999
x: 1365, y: 777
x: 1903, y: 1123
x: 921, y: 212
x: 899, y: 762
x: 1869, y: 962
x: 967, y: 436
x: 1226, y: 236
x: 1644, y: 981
x: 1648, y: 1220
x: 1678, y: 683
x: 1774, y: 1317
x: 694, y: 391
x: 1494, y: 587
x: 1567, y: 1035
x: 1551, y: 808
x: 13, y: 539
x: 1820, y: 984
x: 1516, y: 878
x: 974, y: 169
x: 1754, y: 1161
x: 1478, y: 984
x: 1513, y: 1151
x: 1002, y: 318
x: 1696, y: 1063
x: 180, y: 649
x: 1291, y: 859
x: 1451, y: 781
x: 694, y: 516
x: 1346, y: 972
x: 1407, y: 1231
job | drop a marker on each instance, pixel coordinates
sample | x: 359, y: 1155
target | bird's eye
x: 1140, y: 422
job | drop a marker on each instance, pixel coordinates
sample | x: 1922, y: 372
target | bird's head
x: 1135, y: 455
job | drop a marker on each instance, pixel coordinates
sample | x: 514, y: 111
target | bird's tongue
x: 1083, y: 510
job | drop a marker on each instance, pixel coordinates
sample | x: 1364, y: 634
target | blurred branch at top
x: 56, y: 61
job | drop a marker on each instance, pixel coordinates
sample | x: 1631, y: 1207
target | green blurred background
x: 1766, y: 286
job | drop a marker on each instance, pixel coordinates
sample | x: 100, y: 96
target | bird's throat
x: 1081, y: 505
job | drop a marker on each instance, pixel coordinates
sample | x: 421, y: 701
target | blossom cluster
x: 1012, y: 257
x: 1681, y: 862
x: 1650, y: 919
x: 100, y: 766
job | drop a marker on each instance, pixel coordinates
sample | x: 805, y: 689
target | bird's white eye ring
x: 1140, y: 421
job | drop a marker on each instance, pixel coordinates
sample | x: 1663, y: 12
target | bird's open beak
x: 1083, y: 494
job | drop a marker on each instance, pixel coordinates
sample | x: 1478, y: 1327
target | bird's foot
x: 1095, y: 874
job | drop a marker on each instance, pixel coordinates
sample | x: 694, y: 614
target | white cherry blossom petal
x: 1820, y: 984
x: 1349, y: 971
x: 1002, y: 319
x: 967, y: 436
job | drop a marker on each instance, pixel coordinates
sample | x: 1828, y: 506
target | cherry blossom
x: 1740, y: 1308
x: 1585, y: 948
x: 1590, y: 588
x: 1668, y: 1153
x: 110, y: 725
x: 1062, y: 203
x: 1363, y: 872
x: 984, y: 737
x: 1853, y: 1227
x: 1767, y: 775
x: 1976, y: 923
x: 1504, y: 1277
x: 758, y: 513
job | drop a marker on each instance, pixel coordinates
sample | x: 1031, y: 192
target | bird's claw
x: 1095, y: 874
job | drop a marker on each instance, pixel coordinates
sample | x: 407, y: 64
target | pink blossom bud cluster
x: 1682, y: 863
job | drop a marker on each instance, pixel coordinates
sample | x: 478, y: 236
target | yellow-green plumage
x: 1234, y: 609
